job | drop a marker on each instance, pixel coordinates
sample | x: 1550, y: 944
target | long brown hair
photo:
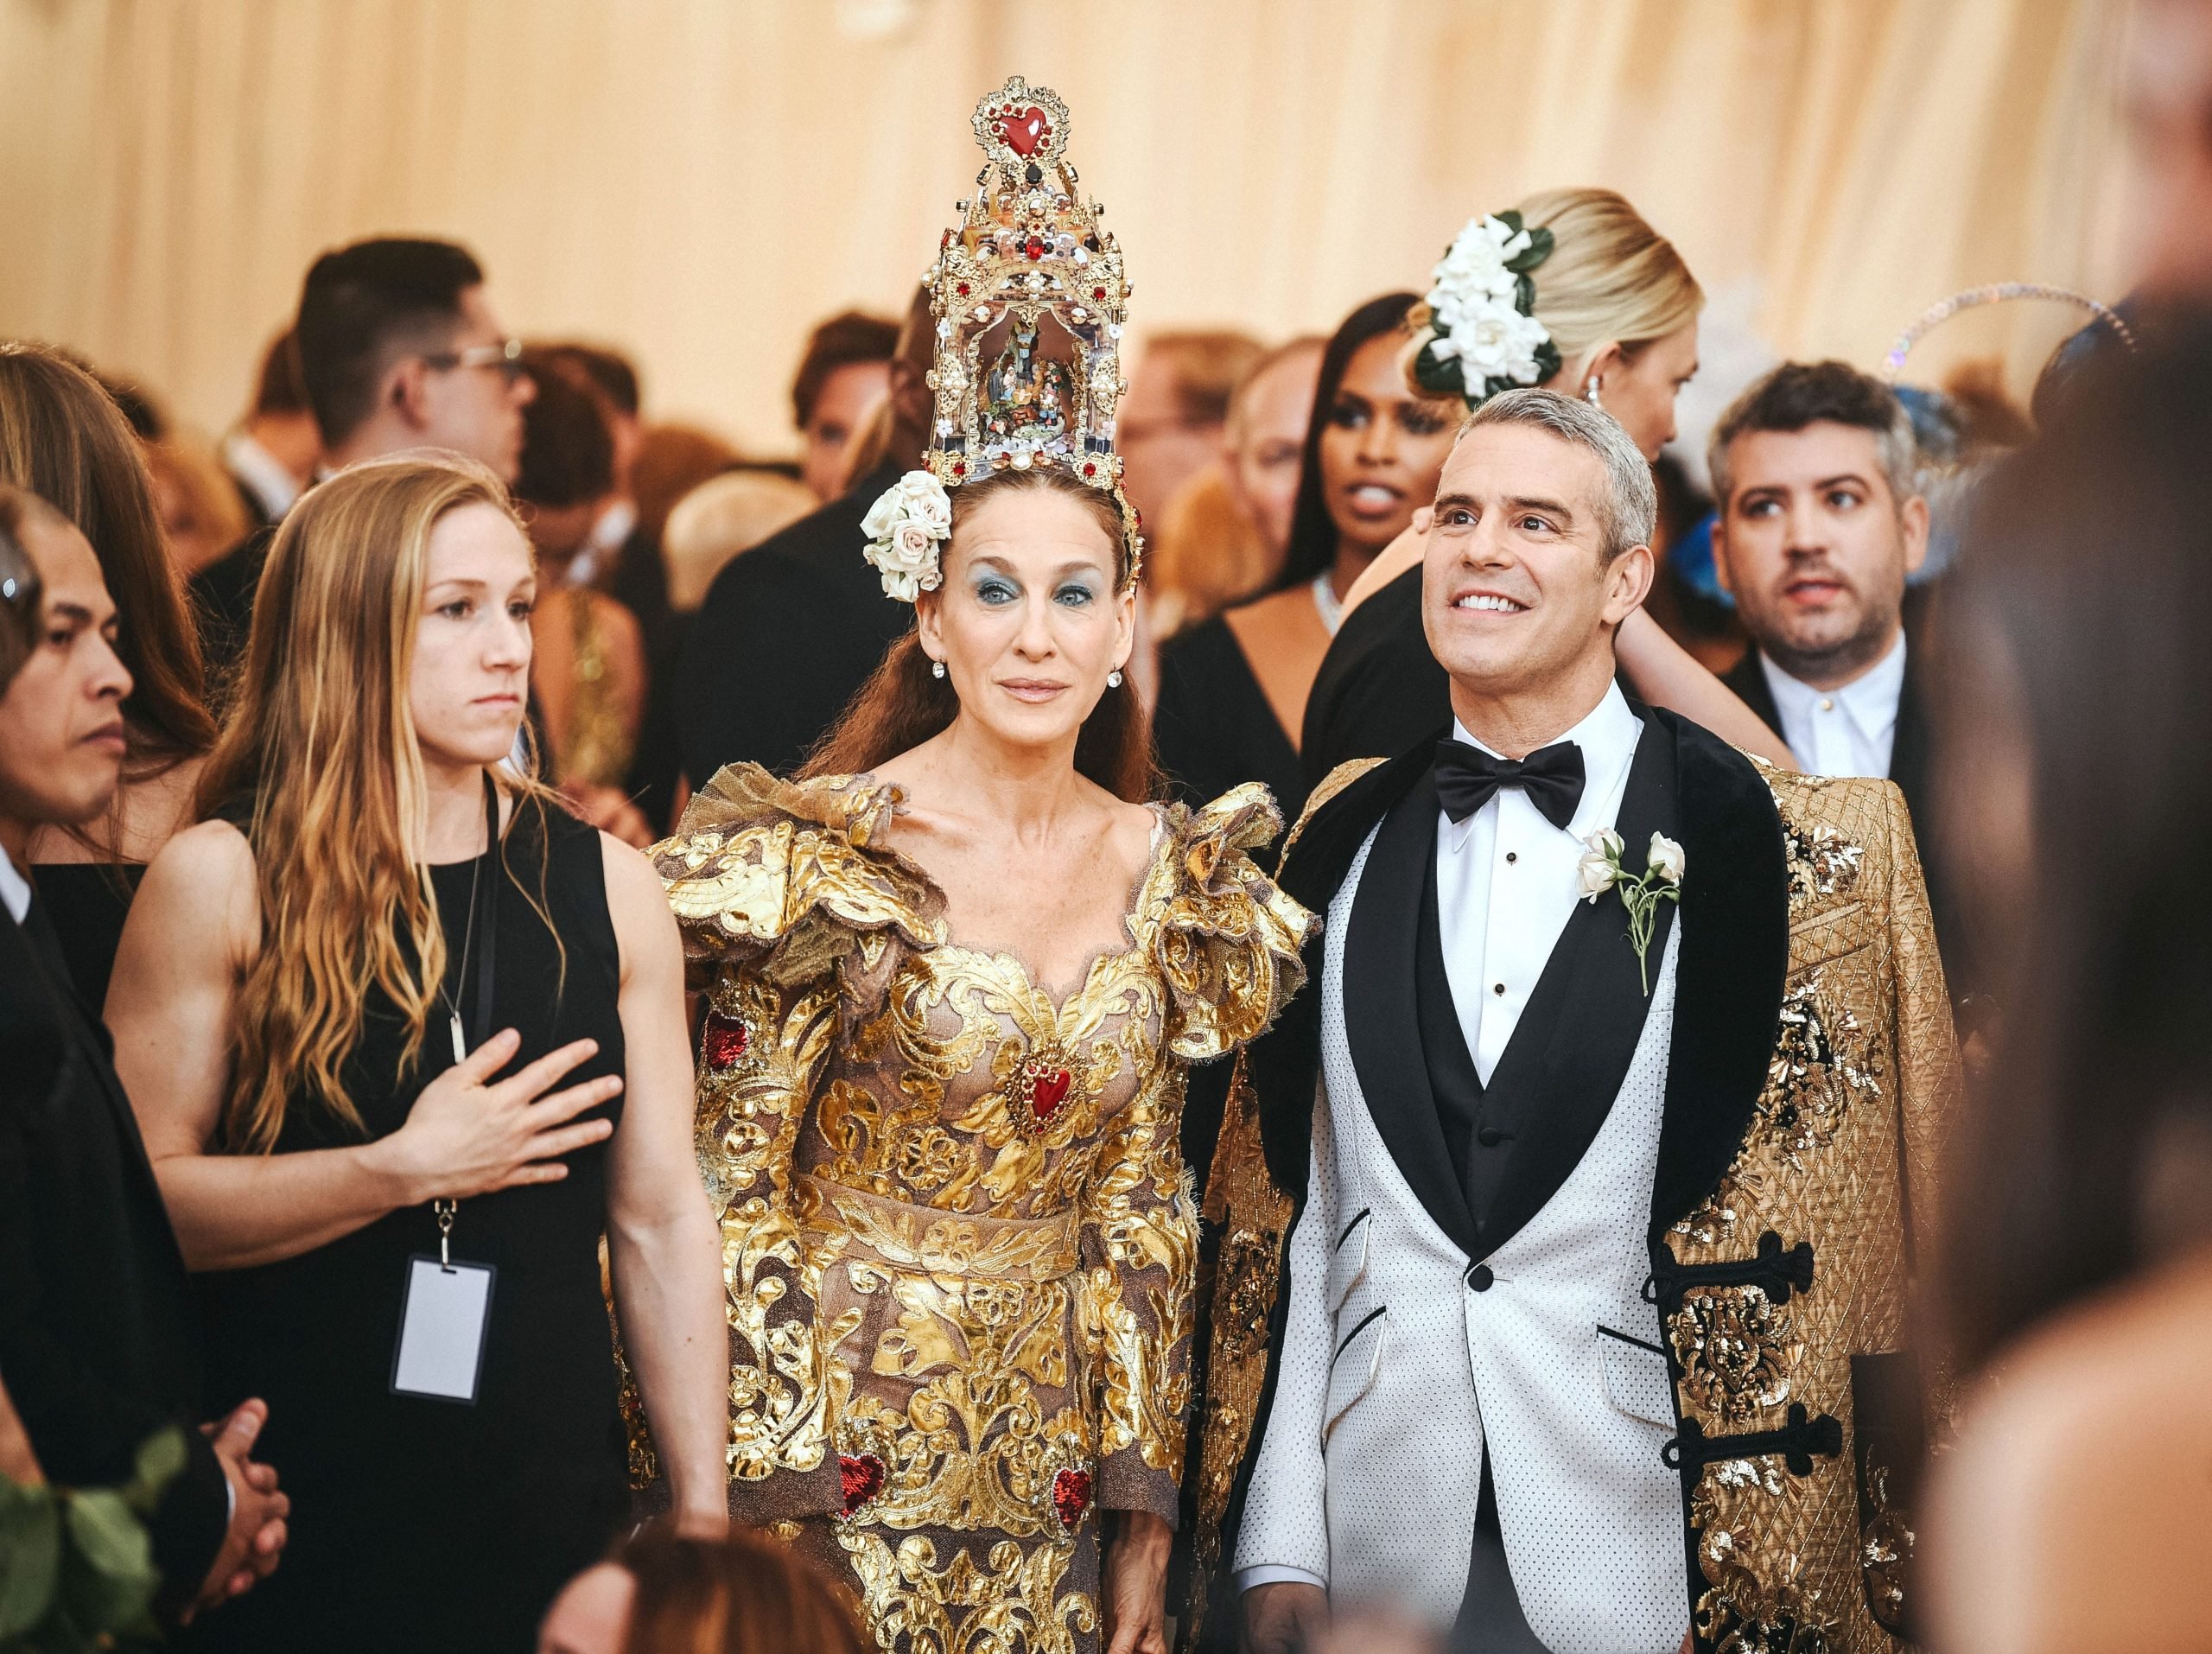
x: 321, y: 750
x: 63, y: 438
x: 903, y: 704
x: 741, y: 1595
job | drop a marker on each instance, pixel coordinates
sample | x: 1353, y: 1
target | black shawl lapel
x: 1748, y: 680
x: 1285, y: 1064
x: 1730, y: 976
x: 1382, y: 1017
x: 1556, y: 1081
x: 1908, y: 746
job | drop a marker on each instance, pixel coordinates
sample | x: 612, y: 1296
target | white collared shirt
x: 1506, y: 888
x: 1849, y: 731
x: 1505, y: 881
x: 14, y: 889
x: 263, y: 472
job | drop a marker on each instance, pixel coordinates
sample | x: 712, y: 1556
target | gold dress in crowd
x: 957, y: 1234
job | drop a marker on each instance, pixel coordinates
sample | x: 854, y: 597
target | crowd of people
x: 1201, y: 993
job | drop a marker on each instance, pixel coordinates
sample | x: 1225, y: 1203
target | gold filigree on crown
x: 1029, y: 301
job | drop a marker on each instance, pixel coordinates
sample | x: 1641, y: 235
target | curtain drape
x: 698, y: 181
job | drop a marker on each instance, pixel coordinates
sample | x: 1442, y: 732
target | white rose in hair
x: 906, y: 526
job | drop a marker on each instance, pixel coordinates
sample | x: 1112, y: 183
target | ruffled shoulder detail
x: 787, y: 876
x: 1224, y: 936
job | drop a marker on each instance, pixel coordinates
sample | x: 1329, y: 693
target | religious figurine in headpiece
x: 956, y: 972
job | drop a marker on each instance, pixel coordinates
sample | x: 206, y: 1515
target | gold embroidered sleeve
x: 1928, y: 1052
x: 1139, y: 1269
x: 1228, y: 942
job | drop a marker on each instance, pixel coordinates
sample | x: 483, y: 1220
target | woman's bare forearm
x: 668, y: 1297
x: 232, y: 1211
x: 1668, y: 675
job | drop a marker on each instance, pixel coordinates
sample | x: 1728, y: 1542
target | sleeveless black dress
x: 424, y: 1524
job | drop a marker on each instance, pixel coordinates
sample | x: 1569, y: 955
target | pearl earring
x: 937, y: 669
x: 1590, y: 390
x: 1114, y: 678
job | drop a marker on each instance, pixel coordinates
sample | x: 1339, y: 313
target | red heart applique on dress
x: 727, y: 1039
x: 1071, y: 1495
x: 1048, y: 1090
x: 862, y: 1478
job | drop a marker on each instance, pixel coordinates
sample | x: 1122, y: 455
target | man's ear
x: 407, y: 393
x: 1912, y: 519
x: 1627, y: 582
x: 1721, y: 571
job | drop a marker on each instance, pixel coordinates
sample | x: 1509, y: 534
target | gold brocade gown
x: 957, y: 1235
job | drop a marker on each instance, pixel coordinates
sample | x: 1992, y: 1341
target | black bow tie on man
x: 1467, y: 778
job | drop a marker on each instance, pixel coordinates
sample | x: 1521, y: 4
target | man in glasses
x: 398, y: 349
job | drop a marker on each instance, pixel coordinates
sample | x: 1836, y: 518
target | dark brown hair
x: 2075, y: 633
x: 839, y: 342
x: 742, y: 1595
x: 568, y: 452
x: 63, y: 439
x: 364, y: 307
x: 903, y: 704
x: 280, y: 389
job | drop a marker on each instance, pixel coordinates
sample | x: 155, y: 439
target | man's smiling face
x: 1516, y: 586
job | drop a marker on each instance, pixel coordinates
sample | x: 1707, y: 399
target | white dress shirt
x: 1849, y: 731
x: 1506, y: 888
x: 263, y: 472
x: 14, y: 889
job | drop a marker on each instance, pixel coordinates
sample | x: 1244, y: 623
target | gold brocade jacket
x: 1793, y: 1184
x: 957, y: 1236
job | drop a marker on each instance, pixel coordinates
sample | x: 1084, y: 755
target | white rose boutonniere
x: 907, y: 527
x: 1600, y: 870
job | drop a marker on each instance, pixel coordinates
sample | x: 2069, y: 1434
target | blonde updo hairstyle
x: 1611, y: 279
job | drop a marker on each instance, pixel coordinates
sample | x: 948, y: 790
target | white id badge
x: 441, y: 1326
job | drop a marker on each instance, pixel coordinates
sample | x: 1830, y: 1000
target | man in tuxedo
x: 1819, y: 520
x: 96, y: 1340
x: 791, y: 630
x: 1563, y: 1278
x: 398, y: 349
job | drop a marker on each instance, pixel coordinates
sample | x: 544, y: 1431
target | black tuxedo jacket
x: 97, y: 1342
x: 788, y: 634
x: 1685, y: 781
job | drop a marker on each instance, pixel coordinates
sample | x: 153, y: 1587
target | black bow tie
x: 1468, y: 778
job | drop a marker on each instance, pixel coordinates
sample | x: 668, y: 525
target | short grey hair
x: 1628, y: 514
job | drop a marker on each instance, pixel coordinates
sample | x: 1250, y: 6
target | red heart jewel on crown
x: 1048, y: 1090
x: 1024, y: 129
x: 727, y: 1039
x: 862, y: 1478
x: 1071, y: 1495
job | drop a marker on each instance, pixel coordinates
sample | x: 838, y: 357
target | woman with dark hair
x: 957, y: 973
x: 1232, y: 691
x: 62, y: 437
x: 2077, y: 1234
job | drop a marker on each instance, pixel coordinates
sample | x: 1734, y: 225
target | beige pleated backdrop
x: 698, y: 179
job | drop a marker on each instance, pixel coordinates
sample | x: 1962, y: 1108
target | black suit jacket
x: 96, y: 1341
x: 789, y: 632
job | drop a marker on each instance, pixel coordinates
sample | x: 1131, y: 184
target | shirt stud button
x: 1497, y: 988
x: 1479, y: 1277
x: 1827, y: 705
x: 1513, y: 855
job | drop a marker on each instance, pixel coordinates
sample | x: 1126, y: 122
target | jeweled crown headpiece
x: 1030, y: 301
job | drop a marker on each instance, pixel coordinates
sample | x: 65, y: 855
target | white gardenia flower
x: 1477, y: 322
x: 1666, y: 858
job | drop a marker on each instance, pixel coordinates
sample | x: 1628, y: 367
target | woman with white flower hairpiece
x: 1574, y: 291
x: 956, y: 972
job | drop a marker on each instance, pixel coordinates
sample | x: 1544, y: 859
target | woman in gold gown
x: 956, y: 972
